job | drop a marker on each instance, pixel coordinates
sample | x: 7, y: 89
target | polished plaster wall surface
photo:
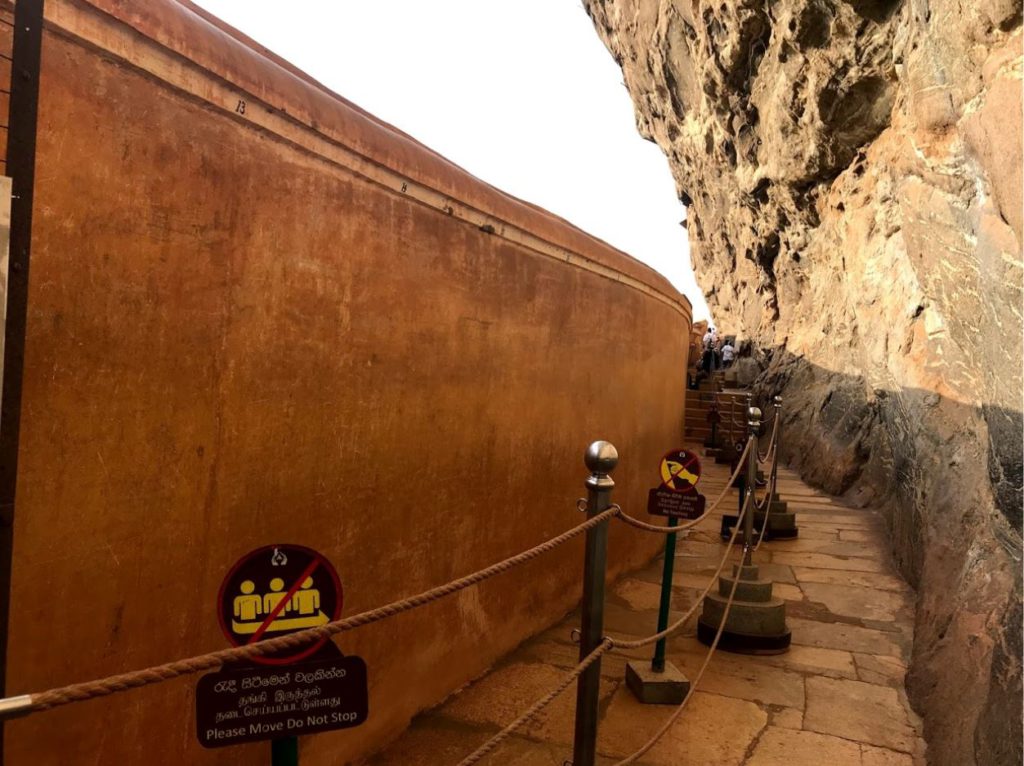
x: 235, y: 340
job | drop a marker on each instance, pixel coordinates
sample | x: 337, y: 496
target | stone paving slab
x: 836, y: 697
x: 876, y: 580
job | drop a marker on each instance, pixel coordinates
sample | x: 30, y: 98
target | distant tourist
x: 728, y: 354
x: 709, y: 337
x: 707, y: 359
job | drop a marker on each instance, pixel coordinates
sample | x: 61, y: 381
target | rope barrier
x: 637, y: 643
x: 635, y: 522
x: 79, y: 692
x: 607, y: 644
x: 632, y: 758
x: 611, y: 643
x: 537, y: 706
x: 771, y: 441
x: 765, y: 501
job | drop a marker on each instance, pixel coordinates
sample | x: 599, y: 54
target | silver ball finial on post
x: 601, y: 458
x: 754, y: 417
x: 777, y: 402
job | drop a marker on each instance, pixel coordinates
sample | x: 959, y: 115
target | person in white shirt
x: 728, y: 354
x: 709, y: 337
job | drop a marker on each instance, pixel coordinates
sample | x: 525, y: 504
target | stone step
x: 696, y: 404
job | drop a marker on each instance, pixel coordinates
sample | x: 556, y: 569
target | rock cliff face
x: 852, y: 172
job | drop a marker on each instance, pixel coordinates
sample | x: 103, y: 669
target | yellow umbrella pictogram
x: 675, y: 476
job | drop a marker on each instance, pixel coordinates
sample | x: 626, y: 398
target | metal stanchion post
x: 777, y: 404
x: 601, y: 459
x: 781, y: 520
x: 753, y: 425
x: 756, y: 623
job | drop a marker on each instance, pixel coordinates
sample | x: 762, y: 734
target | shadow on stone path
x: 836, y: 698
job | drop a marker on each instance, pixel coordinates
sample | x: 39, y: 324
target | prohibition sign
x: 276, y: 590
x: 680, y: 471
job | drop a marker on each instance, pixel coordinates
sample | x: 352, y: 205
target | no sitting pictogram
x: 276, y: 590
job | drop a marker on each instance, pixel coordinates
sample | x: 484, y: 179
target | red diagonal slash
x: 283, y: 602
x: 682, y: 468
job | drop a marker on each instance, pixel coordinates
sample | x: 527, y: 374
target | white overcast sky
x: 522, y: 94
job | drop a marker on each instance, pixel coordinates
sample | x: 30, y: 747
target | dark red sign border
x: 696, y: 458
x: 323, y: 564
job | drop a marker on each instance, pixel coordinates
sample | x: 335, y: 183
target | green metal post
x: 284, y: 751
x: 658, y: 662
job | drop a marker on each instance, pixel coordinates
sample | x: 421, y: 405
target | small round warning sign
x: 277, y: 590
x: 680, y: 470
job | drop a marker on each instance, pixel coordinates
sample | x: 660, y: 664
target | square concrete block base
x: 666, y: 688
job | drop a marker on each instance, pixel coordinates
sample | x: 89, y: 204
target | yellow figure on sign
x: 248, y: 606
x: 303, y: 608
x: 672, y: 471
x: 306, y: 600
x: 272, y: 599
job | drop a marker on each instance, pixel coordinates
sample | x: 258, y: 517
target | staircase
x: 731, y: 406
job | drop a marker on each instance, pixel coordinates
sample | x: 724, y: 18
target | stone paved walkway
x: 835, y: 698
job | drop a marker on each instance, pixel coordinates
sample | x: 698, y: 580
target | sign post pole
x: 601, y: 459
x: 660, y: 682
x: 658, y: 661
x: 284, y: 751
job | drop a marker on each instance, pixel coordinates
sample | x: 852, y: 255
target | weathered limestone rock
x: 852, y: 173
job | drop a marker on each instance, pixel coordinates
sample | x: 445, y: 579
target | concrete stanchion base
x: 781, y: 526
x: 756, y: 623
x: 744, y: 643
x: 668, y: 687
x: 729, y: 521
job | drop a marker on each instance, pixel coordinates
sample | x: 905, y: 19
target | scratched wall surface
x: 235, y: 339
